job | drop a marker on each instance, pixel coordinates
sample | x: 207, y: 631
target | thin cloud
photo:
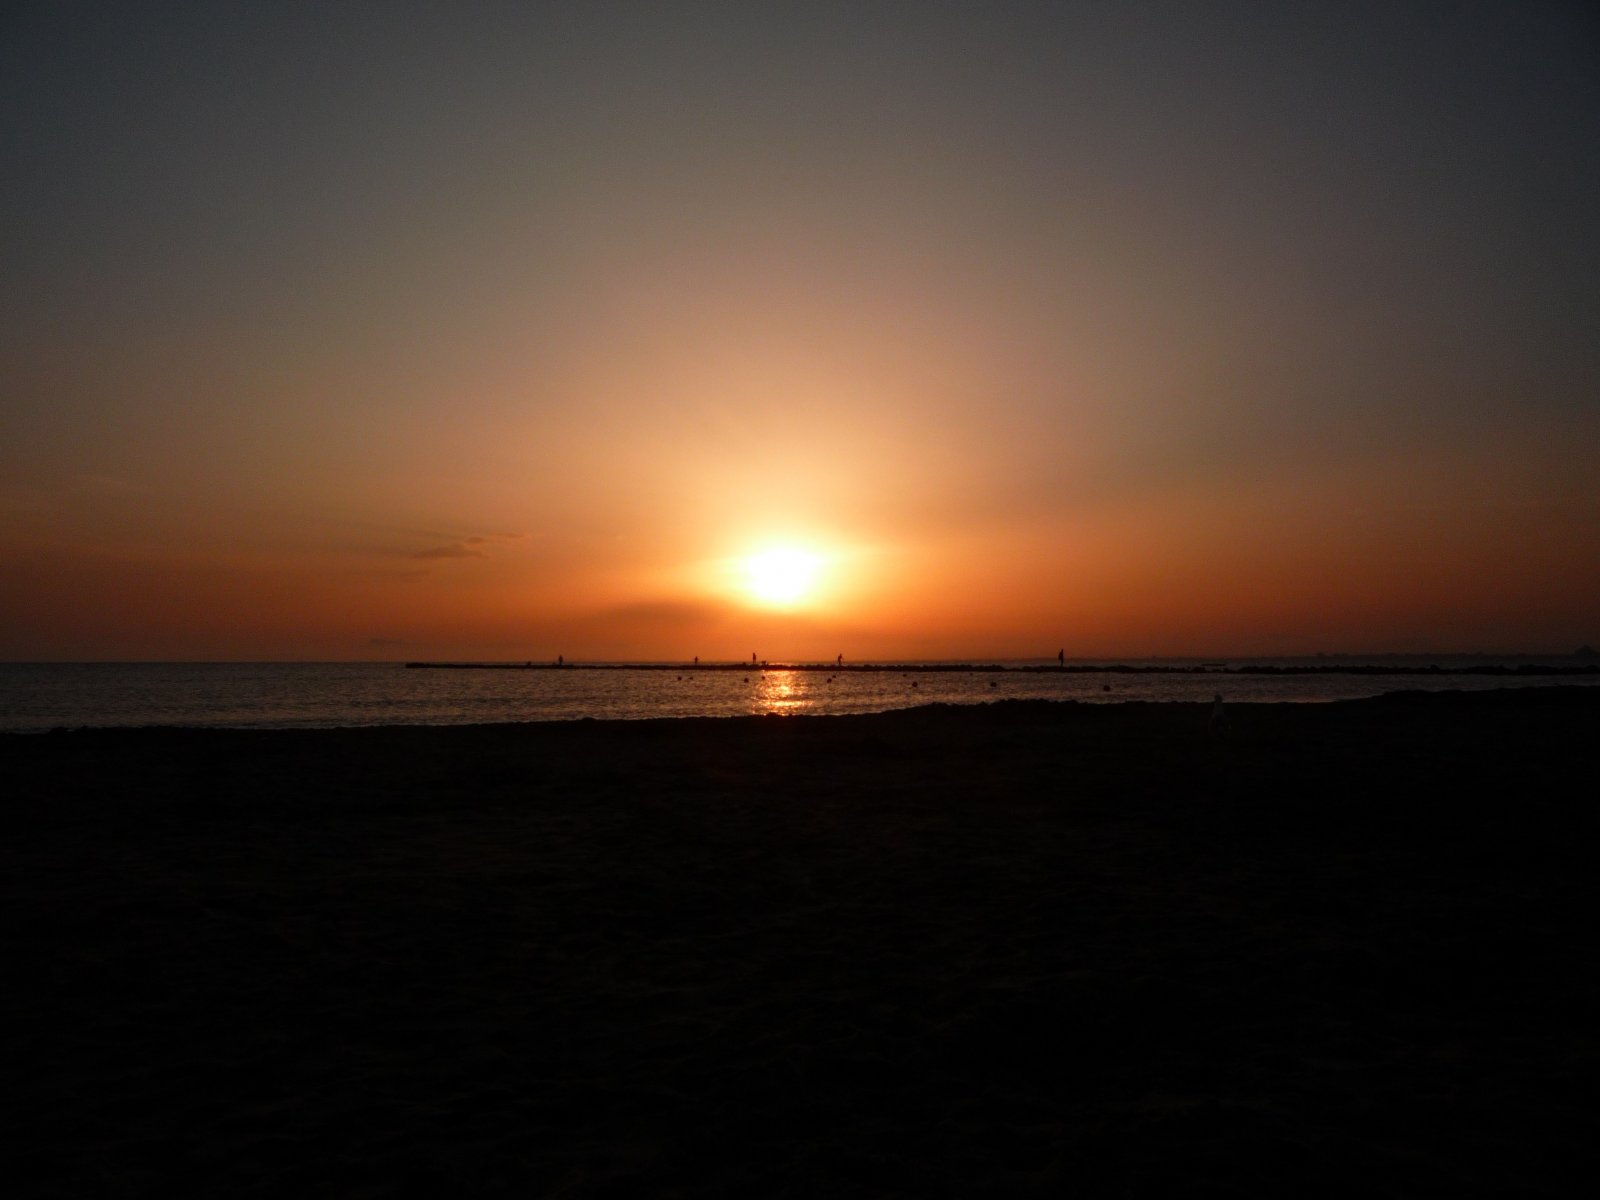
x: 466, y: 548
x: 670, y: 613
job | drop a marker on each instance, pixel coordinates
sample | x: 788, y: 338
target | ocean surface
x: 41, y: 696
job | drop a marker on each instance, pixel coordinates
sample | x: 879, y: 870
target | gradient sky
x: 403, y: 330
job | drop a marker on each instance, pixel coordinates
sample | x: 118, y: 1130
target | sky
x: 502, y: 331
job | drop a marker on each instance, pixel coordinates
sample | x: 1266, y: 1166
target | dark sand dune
x: 1020, y: 949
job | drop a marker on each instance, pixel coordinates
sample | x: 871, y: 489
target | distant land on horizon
x: 1580, y: 654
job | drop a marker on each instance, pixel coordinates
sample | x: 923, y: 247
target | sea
x: 36, y: 697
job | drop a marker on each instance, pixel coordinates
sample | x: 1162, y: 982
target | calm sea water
x: 40, y: 696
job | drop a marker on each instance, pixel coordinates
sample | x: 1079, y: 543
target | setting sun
x: 781, y: 578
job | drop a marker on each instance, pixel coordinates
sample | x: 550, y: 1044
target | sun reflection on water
x: 779, y: 692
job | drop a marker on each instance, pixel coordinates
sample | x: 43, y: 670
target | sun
x: 782, y: 578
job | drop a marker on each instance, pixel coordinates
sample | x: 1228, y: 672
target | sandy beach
x: 1019, y: 949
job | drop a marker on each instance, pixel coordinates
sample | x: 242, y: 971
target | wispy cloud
x: 667, y: 613
x: 465, y: 548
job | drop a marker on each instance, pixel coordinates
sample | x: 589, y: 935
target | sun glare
x: 781, y: 578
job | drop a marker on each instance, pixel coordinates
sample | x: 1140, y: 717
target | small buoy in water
x: 1105, y: 687
x: 913, y: 683
x: 992, y: 683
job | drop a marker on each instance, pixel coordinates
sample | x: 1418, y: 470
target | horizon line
x: 1584, y: 651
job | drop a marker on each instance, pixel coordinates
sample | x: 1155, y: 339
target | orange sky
x: 499, y: 338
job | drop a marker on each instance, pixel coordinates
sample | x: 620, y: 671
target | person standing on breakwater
x: 839, y: 660
x: 1061, y: 659
x: 560, y: 661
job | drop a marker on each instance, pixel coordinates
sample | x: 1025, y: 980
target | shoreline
x: 1534, y: 693
x: 1007, y: 948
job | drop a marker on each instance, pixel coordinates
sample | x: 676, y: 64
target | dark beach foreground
x: 1016, y: 949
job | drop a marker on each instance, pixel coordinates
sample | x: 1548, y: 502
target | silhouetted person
x: 839, y: 661
x: 752, y: 658
x: 1061, y: 659
x: 560, y: 661
x: 697, y: 660
x: 1219, y: 717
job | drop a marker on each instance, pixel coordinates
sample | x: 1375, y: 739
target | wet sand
x: 1011, y: 949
